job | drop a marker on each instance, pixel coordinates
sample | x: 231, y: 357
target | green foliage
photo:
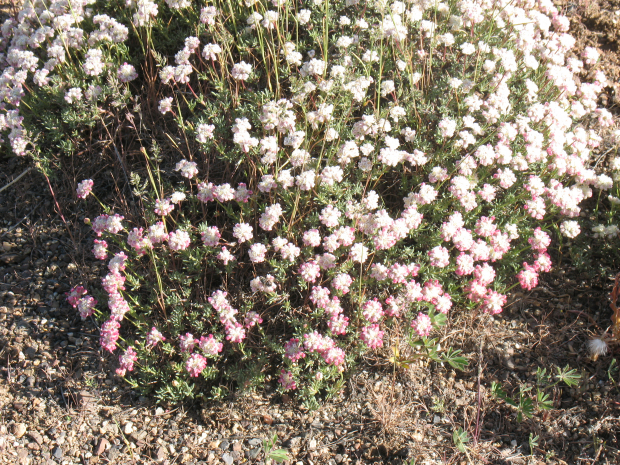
x: 529, y: 401
x: 421, y: 165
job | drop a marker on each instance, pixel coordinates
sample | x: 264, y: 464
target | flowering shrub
x: 342, y: 170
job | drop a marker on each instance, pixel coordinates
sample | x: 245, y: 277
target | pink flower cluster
x: 84, y: 188
x: 223, y: 193
x: 326, y: 347
x: 112, y: 224
x: 235, y: 331
x: 126, y: 361
x: 78, y: 298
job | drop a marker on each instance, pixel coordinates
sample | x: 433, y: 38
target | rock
x: 9, y: 258
x: 312, y: 444
x: 102, y: 446
x: 36, y: 437
x: 253, y: 453
x: 267, y: 420
x: 228, y: 459
x: 237, y: 446
x: 224, y: 445
x: 255, y: 442
x: 30, y: 381
x: 86, y: 399
x: 57, y: 452
x: 19, y: 429
x: 160, y: 454
x: 128, y: 429
x: 294, y: 442
x: 113, y: 453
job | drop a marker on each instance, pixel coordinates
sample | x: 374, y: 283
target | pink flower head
x: 84, y: 188
x: 114, y: 223
x: 440, y: 256
x: 188, y: 169
x: 493, y: 302
x: 398, y: 273
x: 543, y: 263
x: 100, y: 224
x: 312, y: 238
x: 179, y: 240
x: 225, y: 256
x: 443, y: 303
x: 157, y: 233
x: 393, y: 306
x: 251, y: 319
x: 195, y: 365
x: 224, y: 192
x: 528, y: 277
x: 243, y: 232
x: 422, y: 325
x: 112, y: 282
x: 126, y: 361
x: 187, y: 342
x: 163, y: 207
x: 211, y: 236
x: 338, y: 324
x: 333, y: 307
x: 138, y: 241
x: 74, y: 295
x: 86, y: 306
x: 464, y: 264
x: 235, y: 332
x: 117, y: 263
x: 154, y: 337
x: 126, y: 73
x: 100, y: 250
x: 372, y: 310
x: 319, y: 296
x: 242, y: 193
x: 287, y: 380
x: 309, y: 271
x: 109, y: 334
x: 485, y: 274
x: 540, y: 240
x: 476, y: 290
x: 334, y: 356
x: 431, y: 291
x: 293, y: 350
x: 118, y: 306
x: 210, y: 346
x: 485, y: 226
x: 257, y: 252
x: 342, y: 282
x: 372, y: 336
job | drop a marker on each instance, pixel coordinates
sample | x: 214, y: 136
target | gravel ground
x: 60, y: 402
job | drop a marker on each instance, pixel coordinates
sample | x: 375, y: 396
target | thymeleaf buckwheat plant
x: 342, y: 170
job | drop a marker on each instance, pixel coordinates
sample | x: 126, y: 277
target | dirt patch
x: 597, y: 24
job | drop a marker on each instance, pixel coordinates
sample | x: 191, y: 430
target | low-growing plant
x: 529, y: 401
x: 271, y: 453
x: 335, y: 172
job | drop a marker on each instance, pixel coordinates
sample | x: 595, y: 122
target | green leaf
x: 456, y: 361
x: 278, y: 455
x: 544, y: 401
x: 570, y: 377
x: 460, y: 439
